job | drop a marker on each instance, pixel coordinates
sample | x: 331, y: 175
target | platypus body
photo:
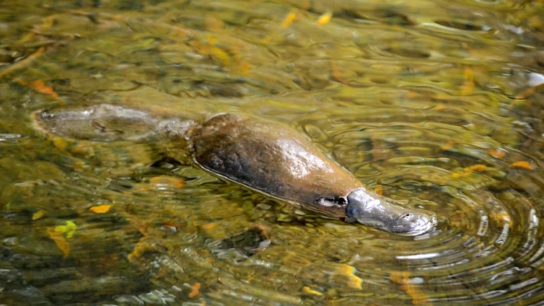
x: 265, y: 156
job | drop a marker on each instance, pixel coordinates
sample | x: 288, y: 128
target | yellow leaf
x: 68, y: 229
x: 309, y: 291
x: 468, y: 86
x: 38, y: 215
x: 288, y: 20
x: 100, y: 209
x: 348, y: 271
x: 324, y: 19
x: 59, y: 240
x: 476, y: 168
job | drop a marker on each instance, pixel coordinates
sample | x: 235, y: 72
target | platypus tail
x: 106, y: 122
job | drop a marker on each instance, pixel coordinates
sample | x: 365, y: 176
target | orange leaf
x: 402, y: 279
x: 40, y: 87
x: 476, y: 168
x: 195, y: 291
x: 497, y: 153
x: 61, y: 243
x: 100, y: 209
x: 524, y: 165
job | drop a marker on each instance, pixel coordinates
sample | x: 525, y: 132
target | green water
x: 436, y: 104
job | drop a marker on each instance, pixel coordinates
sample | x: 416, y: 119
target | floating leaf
x: 38, y: 215
x: 195, y: 291
x: 524, y: 165
x: 100, y: 209
x: 68, y: 229
x: 61, y: 243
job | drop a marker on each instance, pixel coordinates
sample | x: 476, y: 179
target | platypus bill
x: 265, y: 156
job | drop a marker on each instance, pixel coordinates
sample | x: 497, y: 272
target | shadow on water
x: 436, y: 104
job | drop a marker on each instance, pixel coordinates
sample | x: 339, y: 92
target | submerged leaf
x: 40, y: 87
x: 288, y: 20
x: 406, y: 284
x: 324, y: 19
x: 497, y: 153
x: 309, y: 291
x: 348, y: 271
x: 195, y: 291
x: 38, y: 215
x: 68, y: 229
x: 61, y: 243
x: 100, y: 209
x: 524, y: 165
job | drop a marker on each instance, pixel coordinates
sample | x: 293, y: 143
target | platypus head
x: 379, y: 213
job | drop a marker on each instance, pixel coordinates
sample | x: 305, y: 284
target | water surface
x: 437, y: 104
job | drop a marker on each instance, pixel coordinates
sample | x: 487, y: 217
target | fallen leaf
x: 497, y: 153
x: 60, y: 143
x: 59, y: 240
x: 403, y: 280
x: 100, y: 209
x: 195, y: 291
x: 524, y: 165
x: 39, y: 86
x: 468, y: 86
x: 68, y: 229
x: 476, y: 168
x: 378, y: 190
x: 309, y: 291
x: 349, y: 271
x: 448, y: 146
x: 288, y: 20
x: 324, y: 19
x: 38, y: 215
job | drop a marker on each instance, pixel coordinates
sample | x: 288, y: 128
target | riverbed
x: 435, y: 104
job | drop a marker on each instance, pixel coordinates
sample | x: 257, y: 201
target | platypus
x: 265, y: 156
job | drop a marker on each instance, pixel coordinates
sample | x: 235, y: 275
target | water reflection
x: 435, y: 104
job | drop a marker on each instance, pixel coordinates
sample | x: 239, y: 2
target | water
x: 436, y: 104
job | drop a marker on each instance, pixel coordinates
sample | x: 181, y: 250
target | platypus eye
x: 332, y: 201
